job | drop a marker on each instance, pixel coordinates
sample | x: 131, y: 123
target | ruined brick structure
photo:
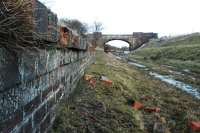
x: 33, y: 82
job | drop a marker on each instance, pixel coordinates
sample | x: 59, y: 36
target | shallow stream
x: 169, y: 80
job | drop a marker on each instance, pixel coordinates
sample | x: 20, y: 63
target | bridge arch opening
x: 113, y: 45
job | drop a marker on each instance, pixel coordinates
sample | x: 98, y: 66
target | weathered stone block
x: 9, y: 74
x: 42, y: 62
x: 60, y: 93
x: 50, y: 103
x: 73, y: 56
x: 39, y: 115
x: 53, y: 60
x: 45, y: 124
x: 27, y: 127
x: 66, y: 57
x: 32, y: 105
x: 46, y: 93
x: 8, y: 125
x: 28, y: 66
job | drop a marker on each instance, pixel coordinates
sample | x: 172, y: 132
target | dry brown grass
x: 16, y: 23
x: 106, y: 109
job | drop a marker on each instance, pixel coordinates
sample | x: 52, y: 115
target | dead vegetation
x: 107, y: 108
x: 16, y: 23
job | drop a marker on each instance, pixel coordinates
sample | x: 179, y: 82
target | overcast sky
x: 166, y: 17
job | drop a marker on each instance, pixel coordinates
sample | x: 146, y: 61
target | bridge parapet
x: 116, y: 36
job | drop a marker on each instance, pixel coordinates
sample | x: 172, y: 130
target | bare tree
x: 98, y: 26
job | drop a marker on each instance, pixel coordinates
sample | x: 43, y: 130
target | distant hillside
x: 182, y: 52
x: 177, y: 57
x: 189, y: 39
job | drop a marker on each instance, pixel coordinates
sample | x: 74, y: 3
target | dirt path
x: 107, y: 108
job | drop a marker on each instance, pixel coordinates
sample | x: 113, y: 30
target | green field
x: 175, y: 41
x: 181, y: 55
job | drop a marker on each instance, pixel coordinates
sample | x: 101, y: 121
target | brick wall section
x: 32, y: 83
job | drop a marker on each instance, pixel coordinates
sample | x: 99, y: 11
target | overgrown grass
x: 103, y: 109
x: 183, y: 53
x: 106, y: 109
x: 190, y: 39
x: 180, y: 55
x: 186, y: 41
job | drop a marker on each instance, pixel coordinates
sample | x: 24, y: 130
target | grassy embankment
x: 106, y: 109
x: 179, y: 54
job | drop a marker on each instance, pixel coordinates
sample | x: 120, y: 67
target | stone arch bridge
x: 134, y: 40
x: 126, y: 38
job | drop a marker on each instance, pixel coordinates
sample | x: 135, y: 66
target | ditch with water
x: 170, y: 80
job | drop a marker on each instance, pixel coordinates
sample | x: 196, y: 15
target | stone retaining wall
x: 32, y: 82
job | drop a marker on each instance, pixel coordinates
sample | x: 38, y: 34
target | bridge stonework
x: 134, y: 40
x: 127, y: 38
